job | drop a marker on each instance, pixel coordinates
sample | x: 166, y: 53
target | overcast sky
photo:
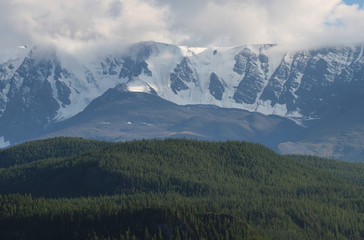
x: 73, y: 24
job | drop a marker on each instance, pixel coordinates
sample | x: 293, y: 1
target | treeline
x: 175, y: 188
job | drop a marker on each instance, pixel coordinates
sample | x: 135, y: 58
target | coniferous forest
x: 72, y: 188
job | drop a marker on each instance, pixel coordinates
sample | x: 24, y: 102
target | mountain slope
x: 122, y: 115
x: 340, y: 136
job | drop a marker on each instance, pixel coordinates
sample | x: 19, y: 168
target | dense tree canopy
x: 67, y: 188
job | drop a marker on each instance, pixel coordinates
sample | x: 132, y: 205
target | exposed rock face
x: 181, y: 75
x: 254, y: 68
x: 216, y: 87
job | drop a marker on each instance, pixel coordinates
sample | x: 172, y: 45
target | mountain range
x: 307, y: 101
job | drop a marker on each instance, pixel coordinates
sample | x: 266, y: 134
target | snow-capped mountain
x: 40, y: 86
x: 259, y: 78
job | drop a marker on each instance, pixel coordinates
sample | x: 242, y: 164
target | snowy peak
x: 43, y: 85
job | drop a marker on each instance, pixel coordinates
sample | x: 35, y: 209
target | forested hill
x: 48, y: 148
x: 173, y: 189
x: 352, y: 172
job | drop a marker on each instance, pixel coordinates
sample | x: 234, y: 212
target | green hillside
x: 48, y: 148
x: 352, y: 172
x: 170, y: 189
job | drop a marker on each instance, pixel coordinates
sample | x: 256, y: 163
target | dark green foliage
x: 177, y: 189
x: 50, y: 148
x: 105, y: 218
x: 353, y: 172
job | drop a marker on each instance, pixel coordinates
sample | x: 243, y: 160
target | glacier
x: 258, y: 78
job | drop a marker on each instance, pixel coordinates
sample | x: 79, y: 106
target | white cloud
x: 300, y: 23
x: 72, y: 24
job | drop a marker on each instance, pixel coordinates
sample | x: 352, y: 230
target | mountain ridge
x: 40, y: 87
x: 254, y: 74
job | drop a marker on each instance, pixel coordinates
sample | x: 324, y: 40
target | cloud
x: 74, y: 24
x: 300, y: 23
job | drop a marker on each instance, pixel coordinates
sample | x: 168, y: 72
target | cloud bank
x: 74, y: 24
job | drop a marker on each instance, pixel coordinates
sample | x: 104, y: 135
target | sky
x: 77, y: 24
x: 359, y: 2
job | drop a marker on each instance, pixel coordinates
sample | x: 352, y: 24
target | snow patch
x: 3, y: 143
x: 360, y: 54
x: 137, y: 88
x: 266, y: 108
x: 275, y: 58
x: 190, y: 51
x: 138, y: 85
